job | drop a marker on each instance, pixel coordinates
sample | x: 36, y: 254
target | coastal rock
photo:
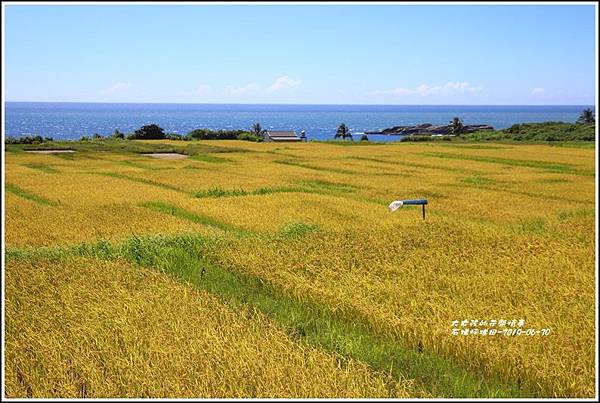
x: 428, y: 128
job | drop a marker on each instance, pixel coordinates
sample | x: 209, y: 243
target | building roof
x: 285, y: 138
x: 281, y: 133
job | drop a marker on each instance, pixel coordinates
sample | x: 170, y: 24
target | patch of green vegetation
x: 550, y: 131
x: 37, y: 139
x: 210, y: 158
x: 310, y: 322
x: 414, y: 138
x: 299, y: 229
x: 208, y: 134
x: 277, y: 189
x: 42, y: 167
x: 178, y: 212
x: 328, y: 186
x: 194, y: 167
x: 220, y: 192
x: 533, y: 225
x: 478, y: 180
x: 28, y: 195
x: 570, y: 214
x: 552, y: 180
x: 65, y: 156
x: 136, y: 164
x: 141, y: 180
x: 314, y: 167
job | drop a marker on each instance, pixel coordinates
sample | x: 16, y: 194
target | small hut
x: 281, y: 135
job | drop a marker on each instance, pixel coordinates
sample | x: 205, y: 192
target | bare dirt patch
x: 167, y: 156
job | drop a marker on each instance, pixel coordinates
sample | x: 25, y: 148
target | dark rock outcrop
x: 428, y: 128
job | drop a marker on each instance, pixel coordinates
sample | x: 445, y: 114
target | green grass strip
x: 546, y: 166
x: 329, y: 186
x: 42, y: 167
x: 210, y: 158
x: 65, y: 156
x: 215, y: 192
x: 136, y: 164
x: 28, y: 195
x: 315, y: 167
x: 142, y: 180
x: 316, y: 324
x: 572, y: 214
x: 178, y: 212
x: 477, y: 180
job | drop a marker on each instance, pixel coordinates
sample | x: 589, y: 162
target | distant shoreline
x: 73, y: 120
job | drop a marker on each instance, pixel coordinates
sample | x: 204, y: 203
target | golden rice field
x: 105, y: 296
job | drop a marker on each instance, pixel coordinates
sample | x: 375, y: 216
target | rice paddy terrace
x: 270, y: 270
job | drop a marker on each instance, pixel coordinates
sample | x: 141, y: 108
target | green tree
x: 343, y: 132
x: 117, y: 134
x: 364, y: 137
x: 456, y: 126
x: 587, y: 117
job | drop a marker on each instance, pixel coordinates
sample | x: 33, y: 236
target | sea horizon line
x: 282, y: 104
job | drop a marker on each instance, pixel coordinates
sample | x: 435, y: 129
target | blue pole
x: 416, y: 202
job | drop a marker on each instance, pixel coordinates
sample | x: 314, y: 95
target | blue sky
x: 344, y: 54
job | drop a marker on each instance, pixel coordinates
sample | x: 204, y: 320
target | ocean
x: 73, y: 120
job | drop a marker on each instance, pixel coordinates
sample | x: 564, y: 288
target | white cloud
x: 117, y: 87
x: 283, y: 83
x: 536, y: 92
x: 233, y: 90
x: 253, y: 89
x: 450, y: 88
x: 202, y: 89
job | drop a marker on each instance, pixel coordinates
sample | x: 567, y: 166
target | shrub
x: 250, y: 137
x: 174, y: 136
x: 148, y: 132
x: 37, y: 139
x: 118, y: 134
x: 417, y: 137
x: 208, y: 134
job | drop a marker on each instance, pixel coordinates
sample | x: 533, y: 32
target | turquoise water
x: 72, y: 120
